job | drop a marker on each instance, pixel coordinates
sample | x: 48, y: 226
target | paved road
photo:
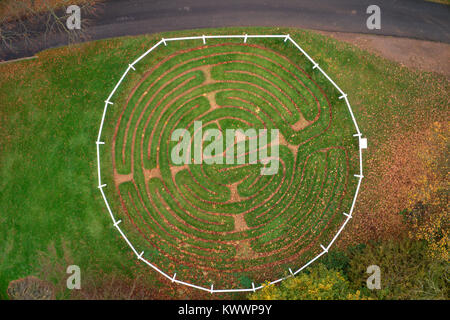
x: 404, y: 18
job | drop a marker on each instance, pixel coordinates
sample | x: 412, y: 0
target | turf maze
x: 227, y: 223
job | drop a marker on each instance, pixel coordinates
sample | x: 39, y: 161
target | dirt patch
x: 175, y: 169
x: 244, y: 250
x: 301, y: 124
x: 416, y: 54
x: 152, y: 173
x: 121, y: 178
x: 292, y: 147
x: 211, y: 96
x: 239, y: 223
x: 207, y: 71
x: 234, y: 194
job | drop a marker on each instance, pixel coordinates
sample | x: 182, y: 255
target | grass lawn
x: 51, y: 213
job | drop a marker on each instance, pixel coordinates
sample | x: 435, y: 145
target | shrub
x: 319, y: 283
x: 432, y: 226
x: 339, y: 260
x: 407, y: 271
x: 30, y: 288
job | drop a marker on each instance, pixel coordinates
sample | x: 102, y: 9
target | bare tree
x: 25, y: 25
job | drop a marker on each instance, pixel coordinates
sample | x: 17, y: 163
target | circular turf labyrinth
x: 228, y: 224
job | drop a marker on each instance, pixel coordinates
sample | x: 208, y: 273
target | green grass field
x: 52, y: 214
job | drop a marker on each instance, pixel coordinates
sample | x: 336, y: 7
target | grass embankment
x: 447, y: 2
x: 51, y: 212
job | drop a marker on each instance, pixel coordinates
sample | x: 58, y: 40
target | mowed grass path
x: 51, y: 213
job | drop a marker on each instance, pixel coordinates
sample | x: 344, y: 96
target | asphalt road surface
x: 417, y: 19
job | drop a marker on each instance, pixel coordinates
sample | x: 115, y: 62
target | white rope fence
x: 246, y: 37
